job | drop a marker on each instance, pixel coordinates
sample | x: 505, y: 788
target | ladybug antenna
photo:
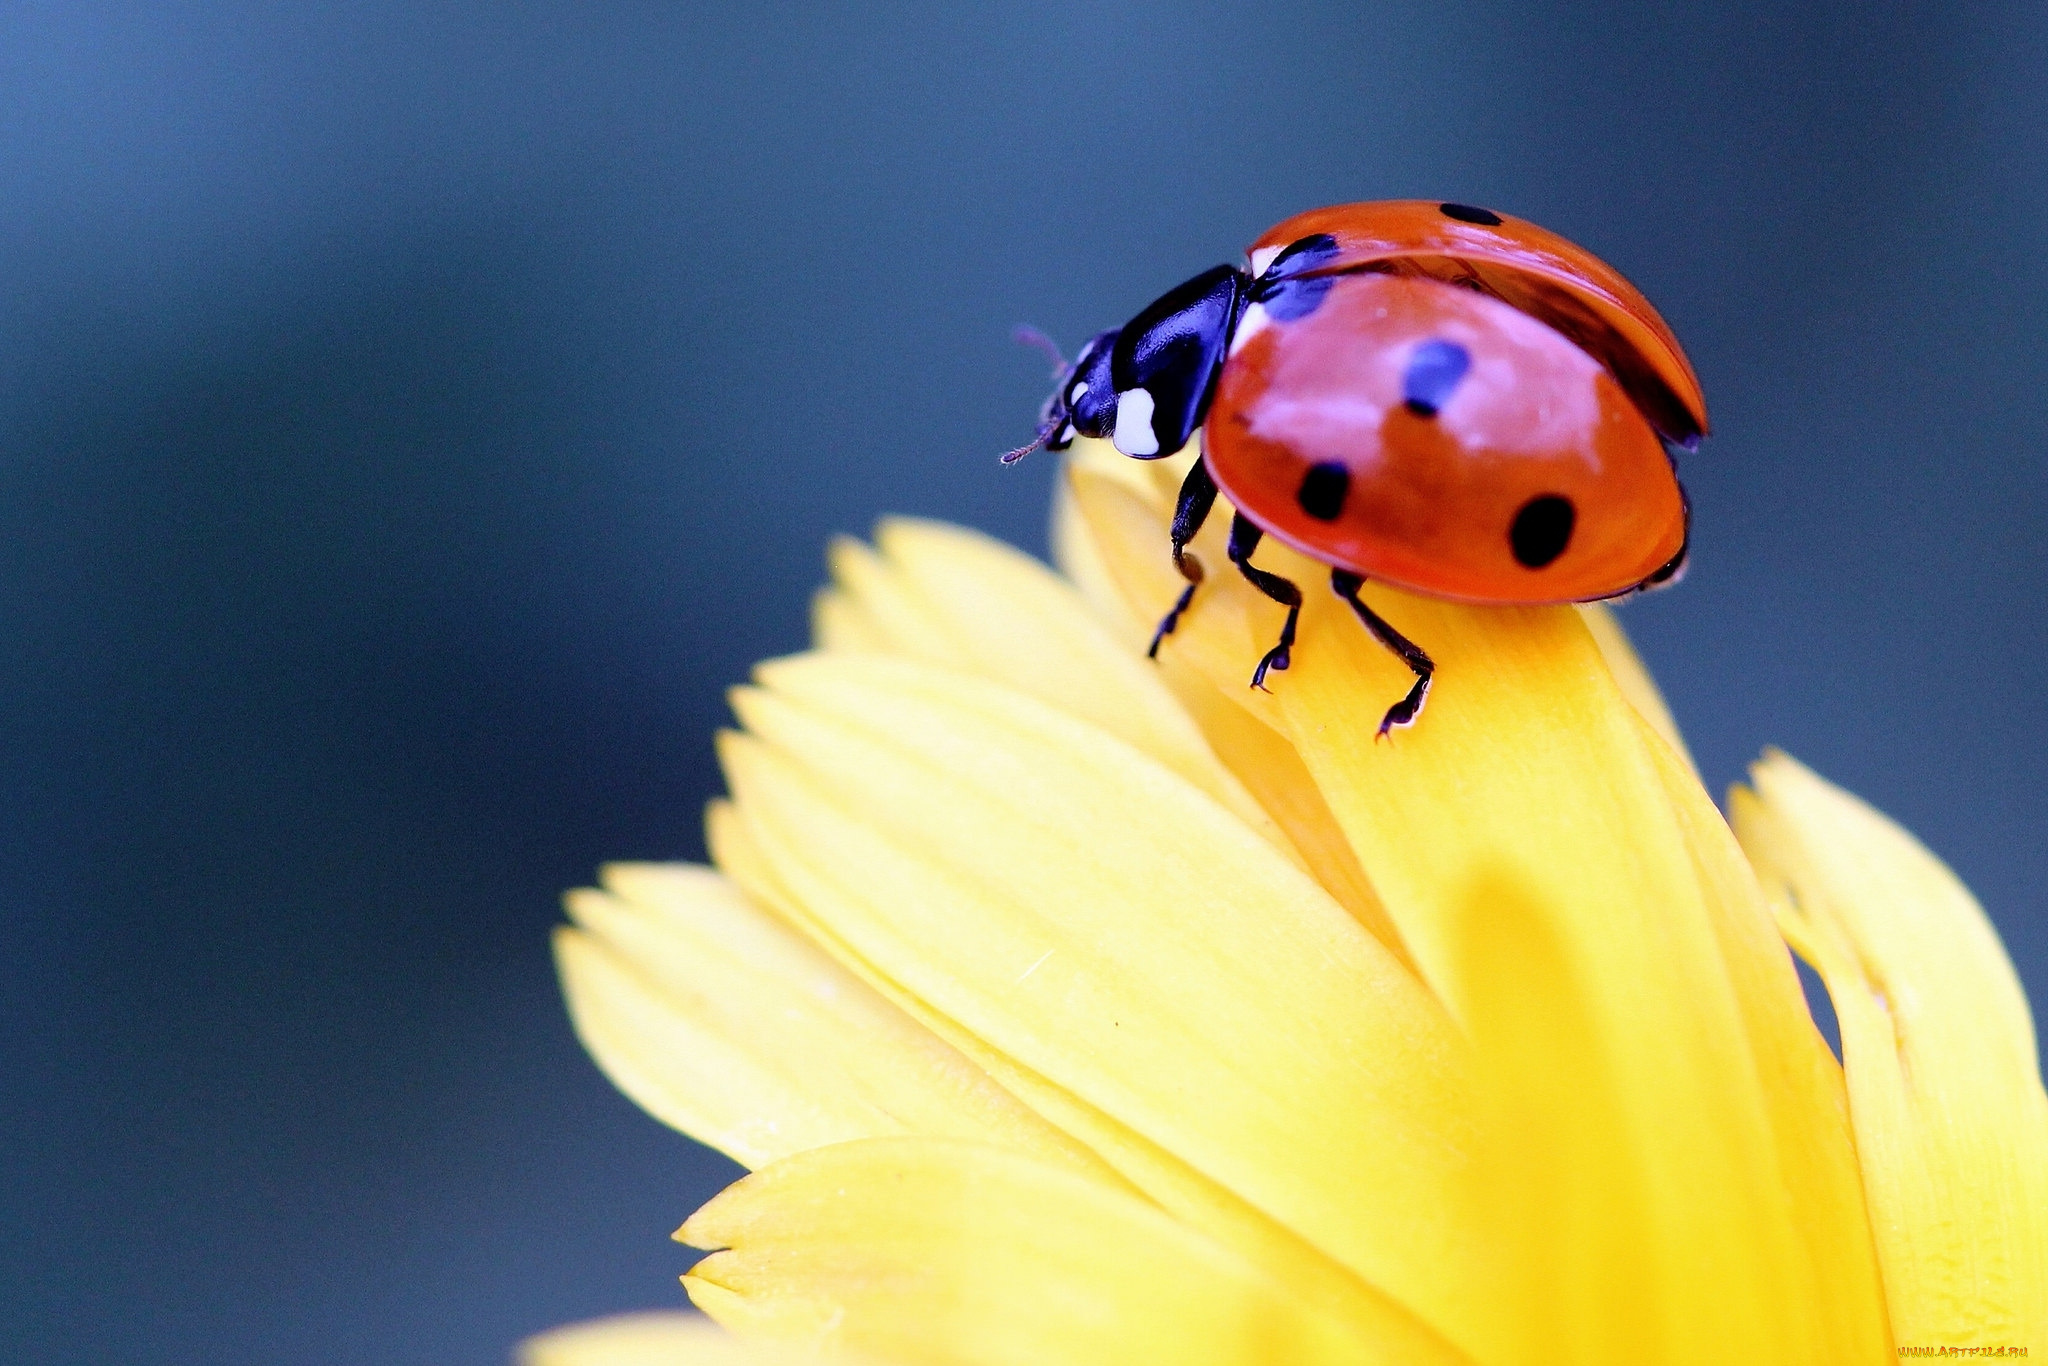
x: 1027, y: 335
x: 1045, y: 430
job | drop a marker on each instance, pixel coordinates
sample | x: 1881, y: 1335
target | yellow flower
x: 1071, y: 1008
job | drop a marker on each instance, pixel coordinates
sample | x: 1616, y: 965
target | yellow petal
x: 1166, y: 1179
x: 1079, y: 559
x: 1229, y: 627
x: 1084, y: 912
x: 719, y: 1021
x: 1632, y: 678
x: 1277, y: 779
x: 1806, y: 1102
x: 956, y: 598
x: 1529, y: 785
x: 657, y: 1339
x: 946, y: 1254
x: 840, y: 623
x: 1522, y: 840
x: 1083, y: 550
x: 884, y: 600
x: 1111, y: 527
x: 1944, y: 1083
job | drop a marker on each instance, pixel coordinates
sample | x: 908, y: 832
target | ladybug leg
x: 1244, y: 539
x: 1674, y: 569
x: 1404, y: 712
x: 1197, y: 497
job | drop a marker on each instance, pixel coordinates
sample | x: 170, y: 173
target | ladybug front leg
x: 1404, y: 712
x: 1190, y: 510
x: 1244, y: 539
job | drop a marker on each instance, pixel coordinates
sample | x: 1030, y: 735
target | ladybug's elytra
x: 1432, y: 395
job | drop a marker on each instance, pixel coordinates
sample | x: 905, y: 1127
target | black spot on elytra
x: 1288, y: 301
x: 1286, y: 290
x: 1323, y: 490
x: 1434, y: 369
x: 1542, y: 529
x: 1299, y: 258
x: 1465, y: 213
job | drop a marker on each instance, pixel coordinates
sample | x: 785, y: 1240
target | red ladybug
x: 1431, y: 395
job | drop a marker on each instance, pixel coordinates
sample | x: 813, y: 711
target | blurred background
x: 414, y: 416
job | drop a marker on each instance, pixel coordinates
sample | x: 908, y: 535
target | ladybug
x: 1436, y: 396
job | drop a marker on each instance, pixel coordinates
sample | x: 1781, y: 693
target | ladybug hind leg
x: 1190, y: 510
x: 1404, y: 712
x: 1244, y: 539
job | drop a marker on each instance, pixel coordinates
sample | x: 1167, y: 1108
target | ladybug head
x: 1082, y: 403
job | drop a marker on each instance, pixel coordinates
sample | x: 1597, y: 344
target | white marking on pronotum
x: 1033, y: 968
x: 1134, y: 435
x: 1262, y: 258
x: 1254, y: 320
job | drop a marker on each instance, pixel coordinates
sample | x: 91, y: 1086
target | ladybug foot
x: 1171, y: 620
x: 1404, y: 712
x: 1276, y: 658
x: 1244, y: 539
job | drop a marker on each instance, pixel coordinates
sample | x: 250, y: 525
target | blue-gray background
x: 412, y: 416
